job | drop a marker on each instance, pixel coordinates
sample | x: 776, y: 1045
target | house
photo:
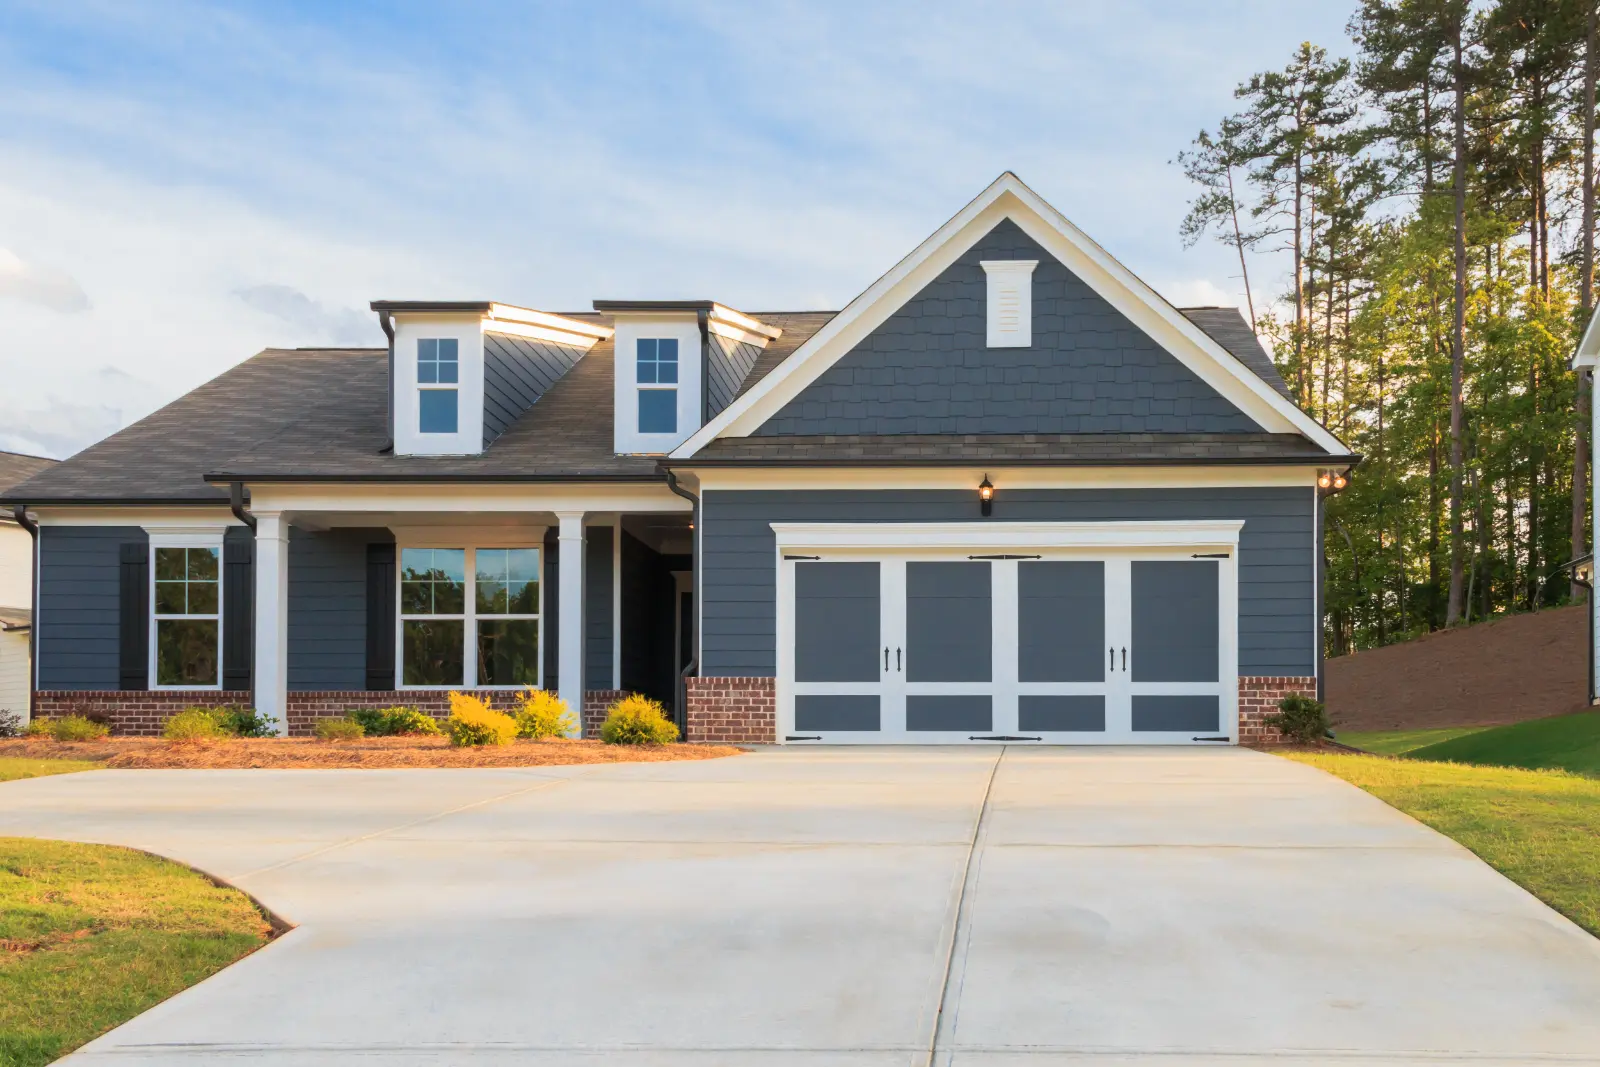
x: 1587, y: 358
x: 1007, y: 493
x: 16, y: 589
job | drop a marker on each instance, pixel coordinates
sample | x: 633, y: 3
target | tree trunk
x: 1238, y: 242
x: 1299, y: 285
x: 1458, y: 332
x: 1580, y: 443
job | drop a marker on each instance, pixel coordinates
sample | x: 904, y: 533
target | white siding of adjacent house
x: 14, y: 673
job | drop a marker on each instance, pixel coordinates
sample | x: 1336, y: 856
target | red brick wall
x: 132, y: 713
x: 595, y: 703
x: 1258, y: 698
x: 739, y: 711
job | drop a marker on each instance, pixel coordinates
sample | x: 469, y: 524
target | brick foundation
x: 131, y: 713
x: 595, y: 703
x: 1258, y: 698
x: 738, y: 711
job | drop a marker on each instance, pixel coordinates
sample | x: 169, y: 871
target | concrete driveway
x: 842, y: 907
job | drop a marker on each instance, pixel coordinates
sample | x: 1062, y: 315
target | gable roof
x: 16, y: 468
x: 1008, y: 197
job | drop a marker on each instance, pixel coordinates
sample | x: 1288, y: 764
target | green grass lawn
x: 1539, y: 828
x: 1399, y: 742
x: 91, y: 936
x: 1560, y: 742
x: 13, y: 767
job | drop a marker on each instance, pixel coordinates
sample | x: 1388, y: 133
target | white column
x: 1594, y: 526
x: 272, y: 617
x: 570, y: 625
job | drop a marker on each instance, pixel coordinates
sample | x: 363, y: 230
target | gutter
x: 692, y: 669
x: 20, y: 513
x: 236, y: 504
x: 702, y: 461
x: 386, y: 321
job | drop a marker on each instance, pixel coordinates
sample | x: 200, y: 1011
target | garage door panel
x: 836, y: 627
x: 838, y: 713
x: 1155, y: 714
x: 1175, y: 621
x: 949, y: 622
x: 949, y: 712
x: 1061, y: 621
x: 1062, y: 714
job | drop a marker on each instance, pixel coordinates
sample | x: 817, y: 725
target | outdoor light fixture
x: 1583, y: 570
x: 986, y: 497
x: 1331, y: 482
x: 1324, y: 480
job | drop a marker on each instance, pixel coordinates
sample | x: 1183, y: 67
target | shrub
x: 78, y: 728
x: 540, y: 714
x: 10, y: 723
x: 387, y: 722
x: 637, y: 720
x: 196, y: 724
x: 241, y: 721
x: 38, y: 728
x: 345, y: 729
x: 473, y: 722
x: 1299, y: 718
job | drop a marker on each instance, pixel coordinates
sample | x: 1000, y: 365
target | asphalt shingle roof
x: 16, y: 468
x: 321, y: 414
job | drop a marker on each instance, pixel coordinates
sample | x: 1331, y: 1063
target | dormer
x: 679, y: 363
x: 461, y: 372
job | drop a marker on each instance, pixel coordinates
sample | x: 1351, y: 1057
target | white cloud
x: 1199, y: 292
x: 43, y: 286
x: 308, y: 319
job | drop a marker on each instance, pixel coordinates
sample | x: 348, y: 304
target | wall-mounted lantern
x: 1331, y: 482
x: 986, y: 497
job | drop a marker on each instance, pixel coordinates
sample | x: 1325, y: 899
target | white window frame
x: 171, y: 540
x: 437, y: 386
x: 469, y: 616
x: 640, y: 388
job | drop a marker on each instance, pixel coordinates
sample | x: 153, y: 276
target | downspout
x: 236, y: 505
x: 20, y: 512
x: 703, y: 317
x: 693, y: 667
x: 387, y: 322
x: 1317, y: 563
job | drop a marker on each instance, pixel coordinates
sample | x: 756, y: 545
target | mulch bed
x: 376, y: 752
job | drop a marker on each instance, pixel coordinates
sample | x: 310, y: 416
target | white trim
x: 982, y: 535
x: 722, y: 313
x: 1008, y: 327
x: 570, y: 646
x: 270, y: 667
x: 150, y: 519
x: 182, y: 538
x: 1008, y: 197
x: 504, y: 313
x: 469, y: 616
x: 453, y: 499
x: 540, y: 333
x: 734, y: 333
x: 1003, y: 478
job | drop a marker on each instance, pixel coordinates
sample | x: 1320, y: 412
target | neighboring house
x: 1587, y: 358
x: 16, y: 588
x: 1008, y: 492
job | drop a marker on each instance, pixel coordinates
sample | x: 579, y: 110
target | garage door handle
x: 1124, y: 659
x: 1112, y: 652
x: 897, y: 659
x: 886, y: 658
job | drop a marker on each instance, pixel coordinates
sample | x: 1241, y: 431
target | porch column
x: 271, y: 669
x: 569, y: 661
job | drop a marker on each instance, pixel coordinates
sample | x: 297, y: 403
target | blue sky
x: 182, y: 184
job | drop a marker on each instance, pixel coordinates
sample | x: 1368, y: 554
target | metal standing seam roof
x: 320, y: 414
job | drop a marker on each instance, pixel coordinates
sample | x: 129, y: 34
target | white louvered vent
x: 1010, y: 314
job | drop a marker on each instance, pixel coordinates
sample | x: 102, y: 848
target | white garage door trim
x: 1118, y: 545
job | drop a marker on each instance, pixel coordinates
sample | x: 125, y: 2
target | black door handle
x: 897, y: 659
x: 1124, y: 658
x: 885, y: 657
x: 1112, y: 652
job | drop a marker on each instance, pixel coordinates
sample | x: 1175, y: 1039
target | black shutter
x: 380, y: 616
x: 238, y: 628
x: 134, y: 616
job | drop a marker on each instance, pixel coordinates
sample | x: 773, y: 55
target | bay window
x: 469, y: 617
x: 186, y: 610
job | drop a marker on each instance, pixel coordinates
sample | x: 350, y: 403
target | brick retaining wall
x: 733, y: 711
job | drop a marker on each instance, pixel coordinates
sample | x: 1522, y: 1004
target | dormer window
x: 657, y: 377
x: 438, y: 381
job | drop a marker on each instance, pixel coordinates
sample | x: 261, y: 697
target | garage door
x: 1114, y: 647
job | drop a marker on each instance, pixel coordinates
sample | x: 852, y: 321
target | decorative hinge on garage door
x: 1005, y: 555
x: 1208, y: 555
x: 1005, y: 737
x: 803, y: 737
x: 1211, y: 739
x: 802, y: 557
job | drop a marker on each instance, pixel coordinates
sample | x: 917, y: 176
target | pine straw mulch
x: 374, y: 752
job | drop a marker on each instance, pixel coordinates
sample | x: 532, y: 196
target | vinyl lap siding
x: 1275, y: 557
x: 328, y: 608
x: 79, y: 591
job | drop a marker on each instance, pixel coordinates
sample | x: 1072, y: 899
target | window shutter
x: 381, y: 608
x: 238, y: 631
x: 134, y: 616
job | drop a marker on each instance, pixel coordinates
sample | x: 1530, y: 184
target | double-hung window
x: 469, y: 617
x: 657, y: 374
x: 187, y: 613
x: 438, y: 379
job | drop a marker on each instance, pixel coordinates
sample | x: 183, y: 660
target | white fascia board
x: 925, y: 535
x: 188, y: 519
x: 1008, y: 197
x: 512, y: 313
x: 1588, y: 353
x: 1002, y: 478
x: 721, y: 313
x: 458, y: 501
x: 535, y: 332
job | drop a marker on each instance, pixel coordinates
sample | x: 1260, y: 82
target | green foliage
x: 395, y: 721
x: 1400, y: 742
x: 345, y: 729
x: 473, y: 722
x: 637, y: 720
x: 197, y: 724
x: 13, y: 768
x: 10, y: 723
x: 241, y: 721
x: 1560, y: 742
x: 1299, y: 719
x: 78, y: 728
x: 541, y: 714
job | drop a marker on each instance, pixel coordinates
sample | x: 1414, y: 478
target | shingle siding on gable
x: 516, y: 372
x: 927, y: 369
x: 729, y: 363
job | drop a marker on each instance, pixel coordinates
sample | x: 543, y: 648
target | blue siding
x: 728, y: 363
x: 328, y: 608
x: 1276, y: 605
x: 78, y: 627
x: 597, y: 604
x: 927, y: 369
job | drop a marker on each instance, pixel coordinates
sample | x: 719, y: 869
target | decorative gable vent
x: 1010, y: 315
